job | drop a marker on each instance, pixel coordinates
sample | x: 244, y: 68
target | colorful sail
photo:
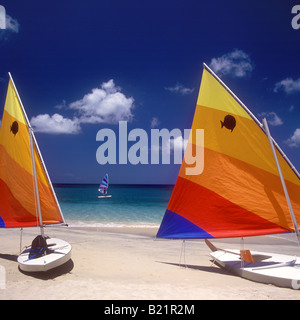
x: 239, y: 192
x: 18, y: 195
x: 104, y: 184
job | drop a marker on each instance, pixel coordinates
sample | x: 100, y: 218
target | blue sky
x: 81, y: 66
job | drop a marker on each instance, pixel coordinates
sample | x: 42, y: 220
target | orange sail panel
x: 18, y: 206
x: 239, y: 192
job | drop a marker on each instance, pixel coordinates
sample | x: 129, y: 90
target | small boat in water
x: 104, y: 187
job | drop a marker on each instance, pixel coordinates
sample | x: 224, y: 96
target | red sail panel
x: 207, y: 209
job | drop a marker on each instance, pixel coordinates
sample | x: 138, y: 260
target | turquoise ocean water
x: 130, y: 205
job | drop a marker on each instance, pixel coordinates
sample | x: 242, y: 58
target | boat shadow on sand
x: 211, y: 269
x: 47, y: 275
x: 53, y: 273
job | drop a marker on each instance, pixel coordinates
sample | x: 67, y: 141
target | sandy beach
x: 128, y: 263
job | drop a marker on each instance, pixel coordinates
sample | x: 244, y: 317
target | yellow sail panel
x: 213, y: 95
x: 18, y: 206
x: 246, y: 141
x: 15, y: 139
x: 12, y: 104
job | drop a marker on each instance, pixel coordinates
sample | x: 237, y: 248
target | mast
x: 47, y: 174
x: 282, y: 180
x: 36, y: 188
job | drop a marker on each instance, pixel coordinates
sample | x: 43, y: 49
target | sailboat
x: 27, y: 197
x: 248, y: 187
x: 104, y: 187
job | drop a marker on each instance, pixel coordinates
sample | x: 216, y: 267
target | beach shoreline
x: 128, y: 263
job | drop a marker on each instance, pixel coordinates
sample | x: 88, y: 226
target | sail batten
x: 23, y: 189
x: 239, y: 192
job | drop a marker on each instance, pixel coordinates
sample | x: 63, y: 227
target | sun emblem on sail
x: 14, y: 128
x: 229, y: 122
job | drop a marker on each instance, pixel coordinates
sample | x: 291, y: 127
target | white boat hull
x: 269, y: 268
x: 60, y: 255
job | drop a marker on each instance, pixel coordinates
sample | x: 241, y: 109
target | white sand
x: 130, y: 264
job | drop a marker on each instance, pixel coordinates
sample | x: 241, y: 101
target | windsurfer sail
x: 104, y: 186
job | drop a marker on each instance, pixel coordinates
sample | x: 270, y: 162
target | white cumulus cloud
x: 288, y: 85
x: 272, y: 118
x: 55, y: 124
x: 236, y: 63
x: 179, y: 88
x: 294, y: 140
x: 106, y: 104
